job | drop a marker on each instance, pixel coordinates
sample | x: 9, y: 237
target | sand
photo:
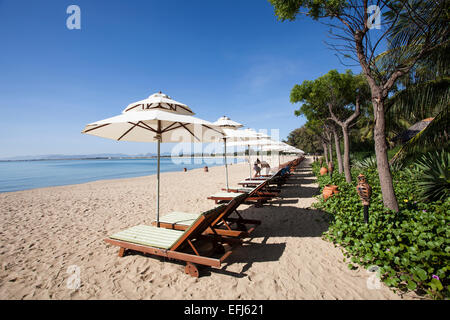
x: 47, y: 235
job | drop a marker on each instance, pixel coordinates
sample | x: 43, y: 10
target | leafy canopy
x: 338, y: 89
x: 288, y: 9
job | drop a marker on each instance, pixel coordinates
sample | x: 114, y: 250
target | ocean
x: 25, y: 175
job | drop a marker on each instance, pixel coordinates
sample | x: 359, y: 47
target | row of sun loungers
x: 206, y: 238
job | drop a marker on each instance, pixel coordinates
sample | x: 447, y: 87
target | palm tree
x: 425, y: 94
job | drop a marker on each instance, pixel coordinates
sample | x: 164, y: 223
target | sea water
x: 24, y: 175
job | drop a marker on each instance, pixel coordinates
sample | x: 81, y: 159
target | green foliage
x: 288, y: 9
x: 336, y: 88
x: 305, y: 139
x: 411, y: 247
x: 432, y: 174
x: 426, y: 94
x: 433, y: 137
x: 362, y: 154
x: 370, y: 162
x: 364, y: 164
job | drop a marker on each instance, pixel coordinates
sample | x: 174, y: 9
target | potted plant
x: 329, y: 190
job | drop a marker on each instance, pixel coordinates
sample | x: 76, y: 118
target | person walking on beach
x: 257, y: 168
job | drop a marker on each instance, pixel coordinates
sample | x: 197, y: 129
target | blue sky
x: 219, y: 57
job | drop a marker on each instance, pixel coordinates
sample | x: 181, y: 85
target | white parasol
x: 228, y: 126
x: 156, y: 119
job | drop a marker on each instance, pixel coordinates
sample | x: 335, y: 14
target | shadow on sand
x: 284, y: 222
x: 278, y: 219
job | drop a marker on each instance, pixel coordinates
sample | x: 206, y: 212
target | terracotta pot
x: 329, y: 190
x: 323, y: 171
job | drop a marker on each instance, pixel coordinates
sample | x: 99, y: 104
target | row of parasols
x: 161, y: 119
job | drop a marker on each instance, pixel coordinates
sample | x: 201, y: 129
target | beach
x: 47, y: 233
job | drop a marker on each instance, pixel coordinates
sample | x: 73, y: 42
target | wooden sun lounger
x: 266, y: 191
x: 274, y: 179
x: 222, y: 224
x: 253, y: 197
x: 262, y: 178
x: 293, y: 164
x: 177, y: 244
x: 278, y: 178
x: 253, y: 183
x: 263, y: 193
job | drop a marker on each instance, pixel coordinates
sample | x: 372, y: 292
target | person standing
x: 256, y: 168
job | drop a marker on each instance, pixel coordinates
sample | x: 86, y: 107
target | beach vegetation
x: 336, y: 100
x: 411, y: 32
x: 411, y: 247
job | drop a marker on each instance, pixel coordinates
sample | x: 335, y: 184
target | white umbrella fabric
x: 257, y: 140
x: 276, y: 146
x: 225, y: 122
x: 239, y: 138
x: 156, y: 119
x: 228, y: 126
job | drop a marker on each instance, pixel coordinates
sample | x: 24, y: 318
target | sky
x: 230, y: 58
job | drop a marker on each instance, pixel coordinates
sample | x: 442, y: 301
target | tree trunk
x: 338, y: 150
x: 325, y: 152
x: 348, y: 175
x: 384, y: 173
x: 330, y: 149
x: 378, y: 95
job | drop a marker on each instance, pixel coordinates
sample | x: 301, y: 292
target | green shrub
x: 366, y: 163
x: 412, y: 247
x: 432, y: 173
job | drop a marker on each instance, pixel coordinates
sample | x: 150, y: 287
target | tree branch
x: 355, y: 114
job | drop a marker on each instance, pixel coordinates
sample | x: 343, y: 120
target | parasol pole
x: 157, y: 185
x: 249, y: 162
x: 158, y: 137
x: 225, y: 159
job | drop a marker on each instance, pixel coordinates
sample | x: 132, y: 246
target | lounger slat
x: 149, y: 236
x: 226, y: 195
x: 241, y: 189
x: 145, y: 239
x: 146, y: 235
x: 253, y: 181
x: 156, y: 234
x: 183, y: 218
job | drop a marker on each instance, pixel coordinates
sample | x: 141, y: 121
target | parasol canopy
x: 229, y: 126
x: 156, y: 119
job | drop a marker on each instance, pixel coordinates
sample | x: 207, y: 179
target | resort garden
x: 410, y: 249
x: 389, y: 123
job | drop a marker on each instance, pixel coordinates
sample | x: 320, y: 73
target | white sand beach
x: 44, y: 231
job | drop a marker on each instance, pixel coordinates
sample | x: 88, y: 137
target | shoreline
x: 122, y: 158
x: 112, y: 180
x: 131, y: 177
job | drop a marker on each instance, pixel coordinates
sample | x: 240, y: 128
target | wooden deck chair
x: 223, y: 225
x: 252, y: 198
x: 266, y: 192
x: 276, y: 179
x: 177, y: 244
x: 250, y: 185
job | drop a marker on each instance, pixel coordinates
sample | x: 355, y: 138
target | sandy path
x: 44, y: 231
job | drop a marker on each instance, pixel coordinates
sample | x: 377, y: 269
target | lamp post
x: 365, y: 192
